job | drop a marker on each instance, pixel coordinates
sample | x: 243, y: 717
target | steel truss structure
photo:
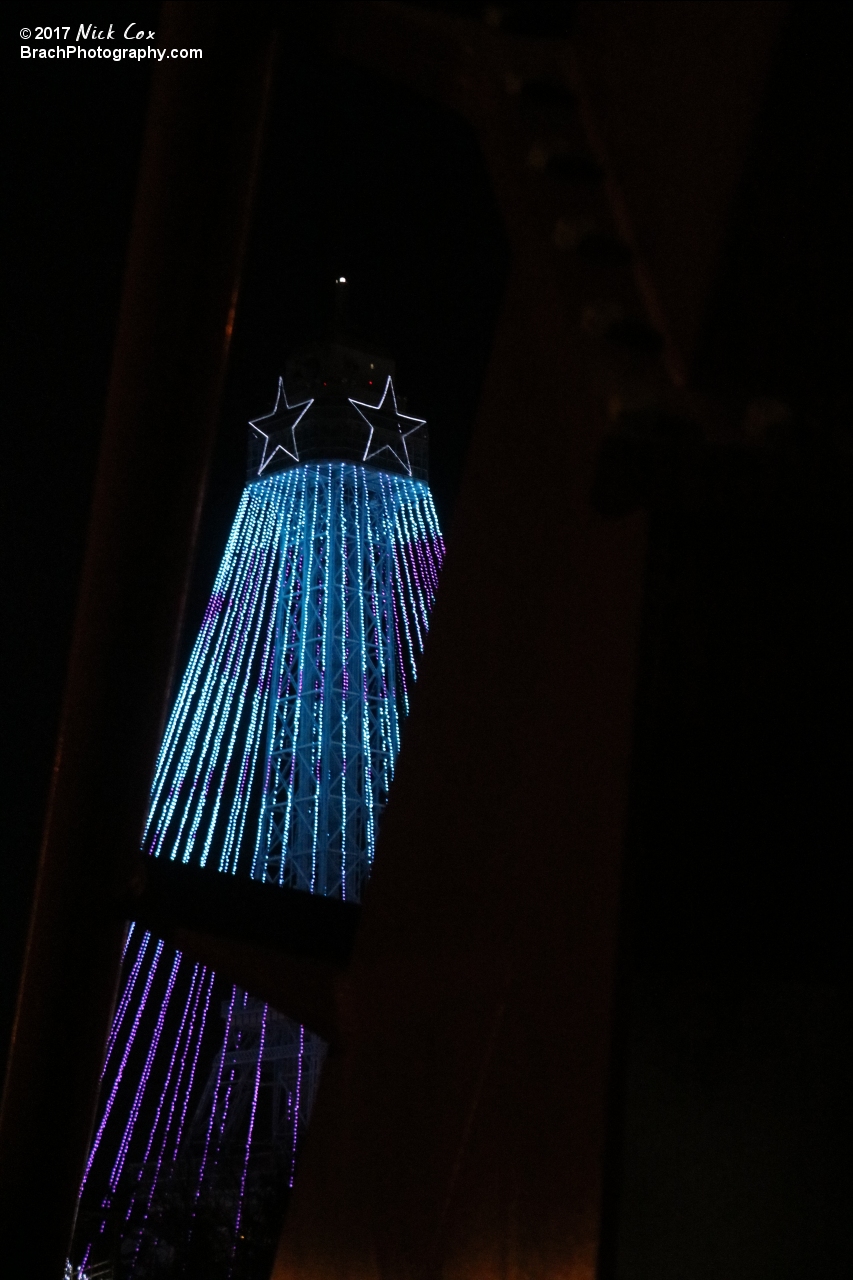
x: 276, y: 761
x: 358, y: 580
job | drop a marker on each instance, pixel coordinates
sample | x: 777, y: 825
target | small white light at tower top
x: 341, y: 280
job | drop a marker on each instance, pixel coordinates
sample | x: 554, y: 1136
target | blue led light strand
x: 192, y: 697
x: 205, y: 712
x: 309, y: 552
x: 366, y: 750
x: 202, y: 644
x: 225, y: 689
x: 286, y: 728
x: 265, y: 583
x: 255, y: 737
x: 324, y: 594
x: 287, y: 639
x: 384, y: 640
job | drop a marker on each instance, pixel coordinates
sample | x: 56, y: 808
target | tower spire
x: 340, y: 310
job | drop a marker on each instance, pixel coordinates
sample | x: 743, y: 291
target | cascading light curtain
x: 276, y: 761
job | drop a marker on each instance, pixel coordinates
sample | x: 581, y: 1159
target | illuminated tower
x: 276, y: 762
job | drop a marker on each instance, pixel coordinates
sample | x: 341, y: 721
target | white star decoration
x: 284, y: 419
x: 389, y: 418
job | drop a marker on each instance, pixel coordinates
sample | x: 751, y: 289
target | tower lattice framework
x: 277, y: 762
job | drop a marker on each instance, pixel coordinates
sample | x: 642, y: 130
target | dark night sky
x: 360, y: 178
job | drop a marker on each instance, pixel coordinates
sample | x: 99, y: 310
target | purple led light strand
x: 434, y: 547
x: 227, y: 1102
x: 167, y: 1087
x: 420, y: 508
x: 215, y: 1101
x: 394, y: 597
x: 117, y: 1082
x: 199, y: 1037
x: 398, y: 544
x: 189, y: 1001
x: 406, y: 541
x: 190, y: 1007
x: 394, y: 526
x: 400, y: 655
x: 420, y: 576
x: 156, y: 1177
x: 422, y: 542
x: 432, y: 521
x: 297, y: 1104
x: 197, y: 983
x: 186, y: 1050
x: 111, y: 1188
x: 124, y: 1002
x: 424, y: 548
x: 249, y: 1136
x: 127, y: 1137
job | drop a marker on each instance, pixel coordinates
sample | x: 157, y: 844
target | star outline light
x: 280, y: 412
x: 399, y: 419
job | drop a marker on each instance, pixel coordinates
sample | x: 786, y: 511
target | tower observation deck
x: 339, y: 403
x: 276, y: 763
